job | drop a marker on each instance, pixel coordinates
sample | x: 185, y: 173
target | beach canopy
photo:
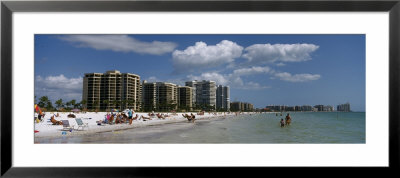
x: 38, y: 110
x: 76, y: 110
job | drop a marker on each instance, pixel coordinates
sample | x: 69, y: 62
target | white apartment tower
x: 223, y: 101
x: 205, y: 92
x: 111, y: 90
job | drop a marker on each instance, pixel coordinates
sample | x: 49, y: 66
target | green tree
x: 59, y: 103
x: 43, y: 101
x: 67, y: 105
x: 115, y: 103
x: 83, y: 104
x: 73, y: 103
x: 123, y: 105
x: 96, y: 103
x: 130, y: 103
x: 49, y: 106
x: 106, y: 102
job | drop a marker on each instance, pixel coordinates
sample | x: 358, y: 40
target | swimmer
x: 282, y: 123
x: 288, y: 119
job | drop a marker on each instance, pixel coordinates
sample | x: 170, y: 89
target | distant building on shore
x: 344, y: 107
x: 222, y: 98
x: 306, y: 108
x: 111, y: 90
x: 205, y: 92
x: 241, y: 106
x: 319, y: 107
x: 159, y: 96
x: 328, y: 108
x: 185, y: 97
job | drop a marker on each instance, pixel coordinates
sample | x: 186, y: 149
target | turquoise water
x: 306, y: 127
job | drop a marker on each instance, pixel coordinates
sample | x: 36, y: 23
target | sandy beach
x: 47, y: 129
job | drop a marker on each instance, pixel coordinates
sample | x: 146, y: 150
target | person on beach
x: 130, y: 115
x: 144, y: 118
x: 288, y: 119
x: 282, y: 123
x: 130, y: 120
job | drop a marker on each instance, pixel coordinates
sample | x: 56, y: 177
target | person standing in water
x: 288, y: 119
x: 282, y: 123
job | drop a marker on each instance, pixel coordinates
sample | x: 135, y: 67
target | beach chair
x: 66, y: 125
x: 81, y: 124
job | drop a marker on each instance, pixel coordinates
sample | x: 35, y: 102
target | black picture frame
x: 8, y: 7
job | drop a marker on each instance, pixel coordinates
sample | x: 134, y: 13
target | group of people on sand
x: 287, y: 121
x: 118, y: 118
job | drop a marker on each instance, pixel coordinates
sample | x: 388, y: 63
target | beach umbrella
x: 114, y: 110
x: 38, y: 110
x: 76, y: 110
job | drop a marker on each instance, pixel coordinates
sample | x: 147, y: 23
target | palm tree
x: 130, y: 102
x: 59, y: 104
x: 83, y: 102
x: 49, y: 106
x: 115, y: 103
x: 123, y: 105
x: 96, y: 103
x: 106, y: 102
x: 43, y: 101
x: 73, y: 103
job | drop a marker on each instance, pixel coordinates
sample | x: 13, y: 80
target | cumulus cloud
x: 233, y: 81
x: 120, y: 43
x: 252, y: 71
x: 297, y: 77
x: 202, y: 56
x: 56, y: 87
x: 214, y: 76
x: 268, y: 53
x: 280, y: 64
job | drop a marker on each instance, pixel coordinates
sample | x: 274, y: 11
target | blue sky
x: 260, y: 69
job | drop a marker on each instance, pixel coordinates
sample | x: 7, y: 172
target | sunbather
x: 55, y: 122
x: 144, y: 118
x: 160, y: 116
x: 130, y: 120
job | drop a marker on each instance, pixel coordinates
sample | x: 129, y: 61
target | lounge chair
x: 66, y: 125
x: 81, y: 124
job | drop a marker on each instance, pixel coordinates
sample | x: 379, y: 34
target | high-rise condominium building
x: 111, y: 90
x: 223, y: 101
x: 159, y: 96
x: 185, y: 97
x: 241, y: 106
x: 344, y: 107
x: 205, y: 92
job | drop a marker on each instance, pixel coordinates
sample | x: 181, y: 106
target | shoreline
x: 47, y: 130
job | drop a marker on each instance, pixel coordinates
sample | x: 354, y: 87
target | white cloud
x: 213, y: 76
x: 120, y: 43
x: 252, y: 86
x: 234, y: 81
x: 252, y: 71
x: 280, y: 64
x: 56, y: 87
x: 202, y: 56
x: 152, y: 79
x: 267, y: 53
x: 297, y: 77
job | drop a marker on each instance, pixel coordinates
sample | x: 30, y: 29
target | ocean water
x: 306, y: 127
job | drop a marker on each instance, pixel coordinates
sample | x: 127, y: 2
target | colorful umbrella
x: 37, y: 109
x: 76, y: 110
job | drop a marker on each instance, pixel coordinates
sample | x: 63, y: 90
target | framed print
x: 136, y: 88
